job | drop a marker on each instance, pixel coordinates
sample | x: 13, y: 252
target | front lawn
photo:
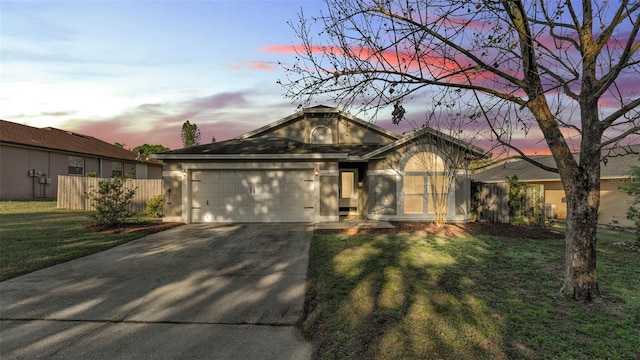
x: 417, y: 295
x: 35, y: 235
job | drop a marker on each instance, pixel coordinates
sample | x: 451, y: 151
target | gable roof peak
x: 319, y: 109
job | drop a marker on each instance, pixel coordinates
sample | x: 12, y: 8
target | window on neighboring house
x: 76, y: 165
x: 117, y: 169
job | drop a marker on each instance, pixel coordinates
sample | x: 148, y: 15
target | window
x: 117, y: 169
x: 425, y: 183
x: 348, y: 184
x: 414, y: 194
x: 76, y: 165
x: 321, y: 135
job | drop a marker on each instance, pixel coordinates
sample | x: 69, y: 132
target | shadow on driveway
x: 211, y: 291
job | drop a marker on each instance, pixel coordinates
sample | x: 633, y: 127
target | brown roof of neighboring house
x: 618, y: 165
x: 60, y: 140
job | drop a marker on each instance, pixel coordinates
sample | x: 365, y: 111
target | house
x: 614, y: 172
x: 32, y: 158
x: 313, y: 166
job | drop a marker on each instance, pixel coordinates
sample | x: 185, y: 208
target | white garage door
x: 253, y: 196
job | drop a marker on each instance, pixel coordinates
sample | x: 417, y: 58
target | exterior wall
x: 382, y: 194
x: 154, y: 172
x: 343, y: 131
x: 386, y: 187
x: 172, y: 194
x: 554, y: 194
x: 92, y: 165
x: 613, y: 202
x: 463, y: 195
x: 328, y: 196
x: 15, y: 182
x: 16, y: 162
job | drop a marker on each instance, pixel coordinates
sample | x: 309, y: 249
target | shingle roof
x: 60, y: 140
x: 615, y: 167
x: 270, y: 146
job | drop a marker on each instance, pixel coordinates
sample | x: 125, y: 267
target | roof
x: 268, y: 147
x: 253, y: 145
x: 429, y: 132
x: 320, y: 109
x: 53, y: 139
x: 615, y: 167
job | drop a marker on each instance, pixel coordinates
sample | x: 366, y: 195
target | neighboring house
x: 312, y: 166
x: 32, y: 158
x: 614, y: 172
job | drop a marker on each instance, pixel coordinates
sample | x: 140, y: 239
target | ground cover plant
x: 35, y: 235
x: 466, y: 292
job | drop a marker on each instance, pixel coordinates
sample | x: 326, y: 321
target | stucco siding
x: 613, y: 204
x: 343, y: 131
x: 328, y: 196
x: 382, y: 194
x: 462, y: 188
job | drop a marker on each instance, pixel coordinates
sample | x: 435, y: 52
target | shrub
x: 633, y: 188
x: 525, y: 203
x: 111, y: 199
x: 155, y: 206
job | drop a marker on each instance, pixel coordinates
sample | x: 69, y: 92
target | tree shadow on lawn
x: 398, y: 296
x: 419, y: 295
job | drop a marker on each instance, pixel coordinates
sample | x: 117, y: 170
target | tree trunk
x: 582, y: 192
x: 581, y: 278
x: 581, y: 182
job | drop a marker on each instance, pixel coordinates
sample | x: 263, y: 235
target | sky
x: 133, y: 72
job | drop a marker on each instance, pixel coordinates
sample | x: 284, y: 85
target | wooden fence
x: 72, y: 192
x: 492, y: 203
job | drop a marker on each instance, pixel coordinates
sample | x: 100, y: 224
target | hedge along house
x: 313, y: 166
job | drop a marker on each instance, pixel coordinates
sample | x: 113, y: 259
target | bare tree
x: 447, y: 130
x: 566, y: 69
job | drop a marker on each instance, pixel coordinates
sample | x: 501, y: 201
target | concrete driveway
x: 197, y: 291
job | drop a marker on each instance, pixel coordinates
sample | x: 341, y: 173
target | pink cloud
x: 263, y: 66
x: 253, y: 65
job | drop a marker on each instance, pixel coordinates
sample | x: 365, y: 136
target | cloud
x: 239, y: 65
x: 223, y: 116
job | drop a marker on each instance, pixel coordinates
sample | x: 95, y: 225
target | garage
x: 253, y: 196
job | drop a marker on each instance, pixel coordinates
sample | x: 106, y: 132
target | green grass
x: 35, y: 235
x: 374, y: 296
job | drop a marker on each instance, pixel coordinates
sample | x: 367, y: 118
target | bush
x: 633, y: 188
x: 111, y: 199
x: 525, y: 203
x: 155, y: 206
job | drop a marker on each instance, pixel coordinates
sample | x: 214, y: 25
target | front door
x: 348, y: 200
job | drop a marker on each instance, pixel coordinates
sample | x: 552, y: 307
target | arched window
x: 425, y: 162
x: 321, y: 135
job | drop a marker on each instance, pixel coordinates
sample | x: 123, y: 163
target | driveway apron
x: 232, y: 291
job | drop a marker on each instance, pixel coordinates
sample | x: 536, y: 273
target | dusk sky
x: 134, y: 71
